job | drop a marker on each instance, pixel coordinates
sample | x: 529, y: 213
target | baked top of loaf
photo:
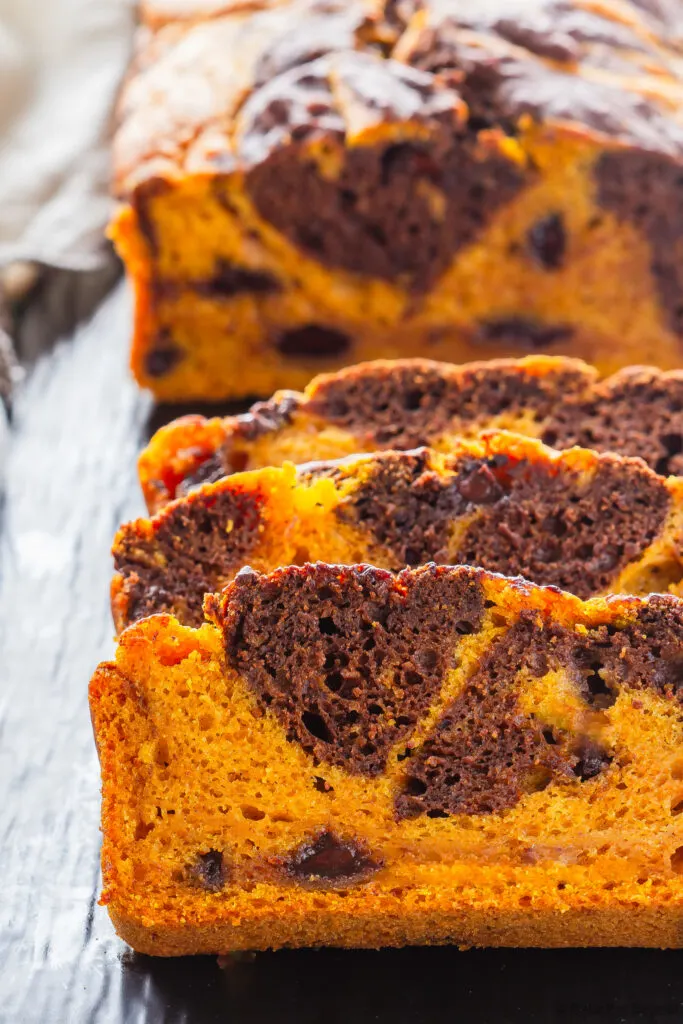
x: 350, y: 757
x: 411, y: 402
x: 590, y: 523
x: 208, y: 75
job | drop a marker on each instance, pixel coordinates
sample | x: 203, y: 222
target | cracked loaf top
x: 216, y: 86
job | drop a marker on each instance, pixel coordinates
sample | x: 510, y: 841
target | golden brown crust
x: 634, y: 924
x: 171, y: 112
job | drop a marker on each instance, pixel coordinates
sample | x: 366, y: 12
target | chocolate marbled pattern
x: 353, y: 673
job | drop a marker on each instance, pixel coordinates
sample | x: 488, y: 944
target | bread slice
x: 403, y: 404
x: 353, y: 758
x: 588, y: 523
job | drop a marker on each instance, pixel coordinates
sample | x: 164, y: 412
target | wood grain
x: 70, y: 481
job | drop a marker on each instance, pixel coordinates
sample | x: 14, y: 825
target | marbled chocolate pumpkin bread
x: 350, y: 758
x: 411, y: 402
x: 307, y: 183
x: 588, y: 523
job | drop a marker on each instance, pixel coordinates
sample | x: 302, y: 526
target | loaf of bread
x: 408, y: 403
x: 352, y: 758
x: 589, y: 523
x: 307, y: 183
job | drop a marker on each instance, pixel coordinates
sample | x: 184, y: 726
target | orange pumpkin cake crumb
x: 347, y: 757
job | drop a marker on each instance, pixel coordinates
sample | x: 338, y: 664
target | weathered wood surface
x: 70, y: 480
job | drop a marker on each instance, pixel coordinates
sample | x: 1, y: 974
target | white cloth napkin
x: 61, y: 64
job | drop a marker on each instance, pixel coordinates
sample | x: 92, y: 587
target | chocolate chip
x: 547, y: 241
x: 314, y: 341
x: 160, y: 360
x: 329, y: 860
x: 523, y: 331
x: 481, y: 486
x: 209, y: 871
x: 592, y: 760
x: 229, y: 279
x: 207, y: 472
x: 267, y: 417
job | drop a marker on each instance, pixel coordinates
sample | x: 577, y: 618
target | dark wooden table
x: 70, y: 480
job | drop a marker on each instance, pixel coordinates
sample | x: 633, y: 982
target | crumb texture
x: 403, y: 404
x: 584, y: 522
x: 351, y: 680
x: 488, y: 759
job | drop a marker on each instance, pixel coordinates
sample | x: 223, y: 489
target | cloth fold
x: 61, y: 64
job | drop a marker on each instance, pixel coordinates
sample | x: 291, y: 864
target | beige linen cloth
x: 61, y: 64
